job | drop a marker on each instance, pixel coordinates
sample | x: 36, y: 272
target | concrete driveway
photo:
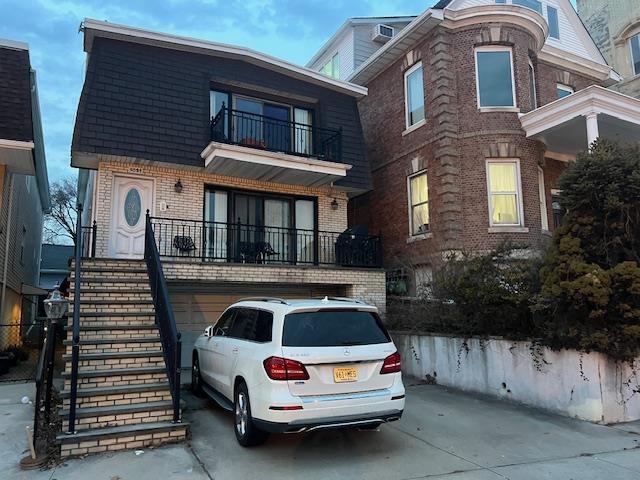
x: 443, y: 434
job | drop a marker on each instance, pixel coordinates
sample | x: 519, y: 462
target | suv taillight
x: 279, y: 368
x: 392, y: 364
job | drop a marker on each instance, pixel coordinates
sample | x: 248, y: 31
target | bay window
x: 505, y: 197
x: 494, y: 77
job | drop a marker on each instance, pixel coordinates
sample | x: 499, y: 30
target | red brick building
x: 472, y: 113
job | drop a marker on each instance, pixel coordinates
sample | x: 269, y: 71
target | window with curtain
x: 414, y: 94
x: 504, y: 193
x: 419, y: 204
x: 494, y: 77
x: 635, y: 54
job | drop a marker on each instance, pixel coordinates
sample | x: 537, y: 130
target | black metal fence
x: 20, y: 344
x: 242, y: 243
x: 44, y: 378
x: 250, y: 129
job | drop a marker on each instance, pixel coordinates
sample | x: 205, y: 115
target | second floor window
x: 505, y: 199
x: 418, y: 204
x: 332, y: 67
x: 563, y: 90
x: 494, y: 77
x: 414, y: 95
x: 635, y: 54
x: 263, y: 124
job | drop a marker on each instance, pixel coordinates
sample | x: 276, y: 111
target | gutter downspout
x: 6, y: 248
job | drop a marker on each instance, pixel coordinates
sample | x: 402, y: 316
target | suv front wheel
x: 246, y: 432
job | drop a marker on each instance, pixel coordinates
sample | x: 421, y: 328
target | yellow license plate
x: 345, y: 374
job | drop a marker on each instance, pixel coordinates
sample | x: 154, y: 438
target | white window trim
x: 423, y: 235
x: 409, y: 127
x: 533, y: 84
x: 566, y: 88
x: 519, y: 203
x: 496, y: 48
x: 544, y: 214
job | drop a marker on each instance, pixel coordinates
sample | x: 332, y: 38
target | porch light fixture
x: 334, y: 204
x: 178, y: 186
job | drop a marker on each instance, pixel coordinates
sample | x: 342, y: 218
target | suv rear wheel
x: 196, y: 379
x: 246, y: 432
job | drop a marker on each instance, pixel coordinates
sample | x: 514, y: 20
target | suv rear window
x: 331, y: 328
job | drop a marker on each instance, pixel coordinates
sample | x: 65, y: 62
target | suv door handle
x: 235, y: 350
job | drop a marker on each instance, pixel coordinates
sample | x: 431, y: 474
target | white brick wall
x: 189, y: 204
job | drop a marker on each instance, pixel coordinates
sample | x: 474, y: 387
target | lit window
x: 552, y: 20
x: 494, y: 77
x: 563, y: 90
x: 414, y: 95
x: 332, y: 67
x: 635, y: 54
x: 419, y: 204
x: 505, y: 202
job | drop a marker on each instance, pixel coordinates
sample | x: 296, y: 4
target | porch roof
x: 562, y: 125
x: 256, y: 164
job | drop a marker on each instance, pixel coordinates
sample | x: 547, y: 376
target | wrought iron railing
x: 165, y: 320
x: 258, y: 131
x: 75, y: 326
x: 44, y: 380
x: 89, y: 241
x: 242, y: 243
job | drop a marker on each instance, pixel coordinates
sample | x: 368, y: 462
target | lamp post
x: 55, y: 306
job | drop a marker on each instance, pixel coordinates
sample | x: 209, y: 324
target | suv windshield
x: 331, y: 328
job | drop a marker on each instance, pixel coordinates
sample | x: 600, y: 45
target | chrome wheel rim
x: 242, y: 414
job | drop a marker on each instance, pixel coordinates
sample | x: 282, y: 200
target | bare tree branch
x: 60, y: 224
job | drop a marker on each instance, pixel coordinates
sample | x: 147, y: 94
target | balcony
x: 249, y: 145
x: 258, y: 244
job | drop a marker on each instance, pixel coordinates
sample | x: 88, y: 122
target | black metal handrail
x: 75, y: 328
x: 243, y: 243
x: 44, y: 378
x: 248, y: 129
x: 165, y: 320
x: 89, y: 240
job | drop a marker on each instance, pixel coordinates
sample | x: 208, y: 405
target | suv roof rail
x: 264, y: 299
x: 344, y: 299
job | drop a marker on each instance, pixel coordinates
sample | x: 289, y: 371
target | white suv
x: 299, y: 365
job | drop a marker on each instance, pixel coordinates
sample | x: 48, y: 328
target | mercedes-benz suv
x: 290, y: 366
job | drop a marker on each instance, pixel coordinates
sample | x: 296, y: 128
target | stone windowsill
x: 508, y: 230
x: 418, y: 238
x: 499, y: 109
x: 415, y: 126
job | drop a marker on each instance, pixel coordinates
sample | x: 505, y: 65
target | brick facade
x: 453, y: 147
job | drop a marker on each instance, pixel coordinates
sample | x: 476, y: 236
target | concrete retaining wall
x: 585, y: 386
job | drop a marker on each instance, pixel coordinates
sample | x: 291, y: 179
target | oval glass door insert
x: 132, y: 207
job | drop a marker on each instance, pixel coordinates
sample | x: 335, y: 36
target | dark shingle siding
x: 153, y: 103
x: 15, y: 95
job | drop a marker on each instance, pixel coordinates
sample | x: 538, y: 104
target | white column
x: 592, y: 128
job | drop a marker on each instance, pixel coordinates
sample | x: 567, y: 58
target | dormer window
x: 332, y: 67
x: 552, y: 20
x: 635, y: 53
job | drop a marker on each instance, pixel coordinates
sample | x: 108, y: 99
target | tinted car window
x: 222, y: 327
x: 252, y: 324
x: 333, y: 328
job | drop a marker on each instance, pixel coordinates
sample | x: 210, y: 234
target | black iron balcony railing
x: 89, y: 241
x: 242, y: 243
x: 248, y: 129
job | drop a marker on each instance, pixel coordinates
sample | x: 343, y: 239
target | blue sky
x: 289, y: 29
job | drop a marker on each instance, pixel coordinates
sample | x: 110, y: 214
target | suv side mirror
x: 208, y: 332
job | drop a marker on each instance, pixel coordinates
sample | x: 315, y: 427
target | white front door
x: 132, y: 197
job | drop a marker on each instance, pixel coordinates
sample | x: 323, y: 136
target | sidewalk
x: 443, y: 434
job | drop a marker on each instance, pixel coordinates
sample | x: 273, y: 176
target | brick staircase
x: 123, y: 396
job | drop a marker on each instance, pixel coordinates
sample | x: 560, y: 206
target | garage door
x: 197, y: 307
